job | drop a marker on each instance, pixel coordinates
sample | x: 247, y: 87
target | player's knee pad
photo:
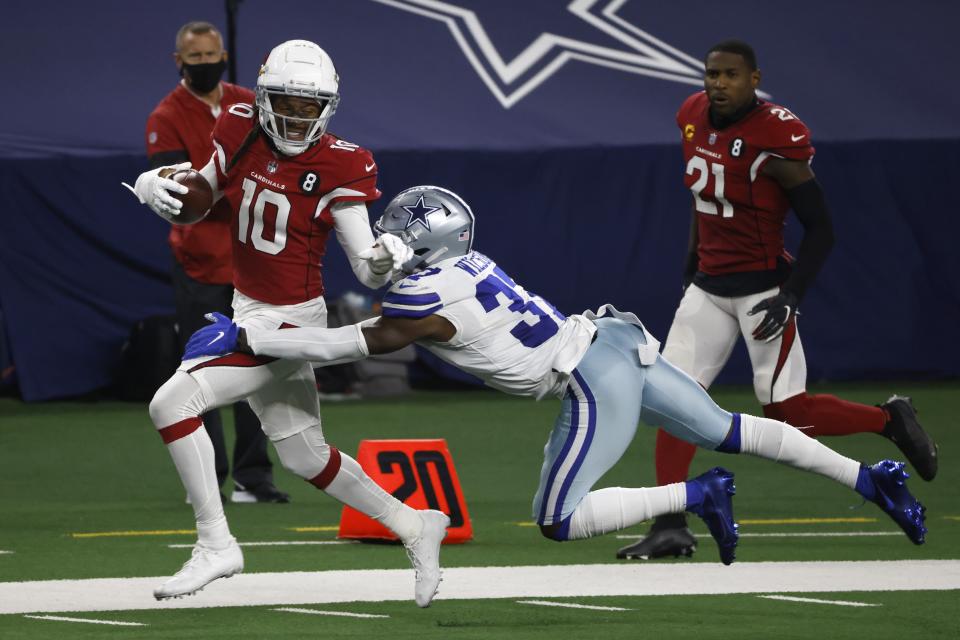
x: 558, y: 531
x: 179, y: 398
x: 306, y: 453
x: 794, y: 411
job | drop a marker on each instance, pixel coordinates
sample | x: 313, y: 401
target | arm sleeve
x: 209, y: 171
x: 411, y: 298
x: 352, y: 225
x: 810, y: 206
x: 321, y: 346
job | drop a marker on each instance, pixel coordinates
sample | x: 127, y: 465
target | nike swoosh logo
x: 369, y: 167
x: 406, y: 286
x: 219, y: 335
x: 794, y: 138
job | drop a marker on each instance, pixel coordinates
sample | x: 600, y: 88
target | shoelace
x: 196, y: 557
x: 414, y: 560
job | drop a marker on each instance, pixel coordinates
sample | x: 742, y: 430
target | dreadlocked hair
x: 248, y: 140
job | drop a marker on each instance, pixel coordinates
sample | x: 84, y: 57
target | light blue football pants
x: 609, y: 393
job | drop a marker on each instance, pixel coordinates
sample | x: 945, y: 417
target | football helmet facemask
x: 436, y: 223
x: 301, y: 69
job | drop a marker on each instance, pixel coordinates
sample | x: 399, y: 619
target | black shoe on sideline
x: 668, y: 536
x: 264, y: 492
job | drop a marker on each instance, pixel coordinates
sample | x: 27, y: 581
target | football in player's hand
x: 197, y: 201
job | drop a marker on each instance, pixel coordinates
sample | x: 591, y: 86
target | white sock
x: 194, y: 459
x: 780, y: 442
x: 616, y: 508
x: 353, y: 487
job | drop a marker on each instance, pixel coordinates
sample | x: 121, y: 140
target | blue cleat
x: 716, y: 510
x: 892, y: 495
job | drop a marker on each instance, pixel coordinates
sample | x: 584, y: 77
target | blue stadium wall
x: 577, y: 186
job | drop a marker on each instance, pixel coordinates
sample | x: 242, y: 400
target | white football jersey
x: 513, y: 340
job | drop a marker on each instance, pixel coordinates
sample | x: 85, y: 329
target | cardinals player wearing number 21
x: 748, y: 162
x: 290, y: 184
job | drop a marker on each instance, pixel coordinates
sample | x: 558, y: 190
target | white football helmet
x: 302, y: 69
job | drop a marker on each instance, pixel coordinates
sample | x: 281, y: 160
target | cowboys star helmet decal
x: 418, y: 213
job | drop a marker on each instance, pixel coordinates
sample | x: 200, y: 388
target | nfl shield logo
x: 712, y: 139
x: 272, y: 166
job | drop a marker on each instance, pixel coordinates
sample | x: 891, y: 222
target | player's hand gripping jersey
x: 513, y: 340
x: 282, y: 206
x: 741, y: 212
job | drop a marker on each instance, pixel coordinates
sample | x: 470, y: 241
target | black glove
x: 780, y: 309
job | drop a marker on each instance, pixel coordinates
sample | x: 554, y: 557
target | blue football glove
x: 214, y: 339
x: 779, y: 311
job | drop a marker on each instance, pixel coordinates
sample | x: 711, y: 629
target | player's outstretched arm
x: 391, y: 334
x: 372, y: 261
x: 322, y: 346
x: 345, y: 344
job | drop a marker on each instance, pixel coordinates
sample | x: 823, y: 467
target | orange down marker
x: 420, y: 474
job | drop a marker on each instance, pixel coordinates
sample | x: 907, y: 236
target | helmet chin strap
x: 430, y: 259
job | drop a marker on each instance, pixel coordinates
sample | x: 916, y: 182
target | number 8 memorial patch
x: 309, y: 182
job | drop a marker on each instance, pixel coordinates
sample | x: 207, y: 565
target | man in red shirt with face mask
x: 178, y: 130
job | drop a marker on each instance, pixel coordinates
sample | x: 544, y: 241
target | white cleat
x: 204, y: 566
x: 424, y: 553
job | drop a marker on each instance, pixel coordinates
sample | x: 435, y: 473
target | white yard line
x: 570, y: 605
x: 2, y: 552
x: 345, y: 614
x: 801, y: 534
x: 842, y: 603
x: 89, y: 620
x: 274, y: 543
x: 468, y: 583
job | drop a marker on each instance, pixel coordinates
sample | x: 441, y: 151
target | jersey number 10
x: 703, y: 202
x: 265, y: 197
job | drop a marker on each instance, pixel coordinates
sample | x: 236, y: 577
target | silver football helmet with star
x: 301, y: 69
x: 436, y: 223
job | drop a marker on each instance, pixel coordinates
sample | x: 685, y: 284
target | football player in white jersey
x: 605, y: 366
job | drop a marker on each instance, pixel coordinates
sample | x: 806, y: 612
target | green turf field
x: 99, y: 468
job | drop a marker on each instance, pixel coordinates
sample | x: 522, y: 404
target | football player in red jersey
x: 289, y: 184
x: 747, y: 164
x: 178, y: 130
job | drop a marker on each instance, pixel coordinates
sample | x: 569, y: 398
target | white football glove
x: 388, y: 254
x: 153, y: 191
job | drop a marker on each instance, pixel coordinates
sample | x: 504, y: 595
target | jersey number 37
x: 538, y: 327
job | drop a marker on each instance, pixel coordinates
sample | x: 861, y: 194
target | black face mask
x: 203, y: 78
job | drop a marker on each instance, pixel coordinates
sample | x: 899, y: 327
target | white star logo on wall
x: 643, y: 54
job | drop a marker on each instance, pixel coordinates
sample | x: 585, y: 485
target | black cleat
x: 904, y: 430
x: 264, y: 492
x: 668, y: 536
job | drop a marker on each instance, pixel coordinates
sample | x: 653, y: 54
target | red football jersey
x: 281, y: 206
x: 183, y: 122
x: 741, y: 212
